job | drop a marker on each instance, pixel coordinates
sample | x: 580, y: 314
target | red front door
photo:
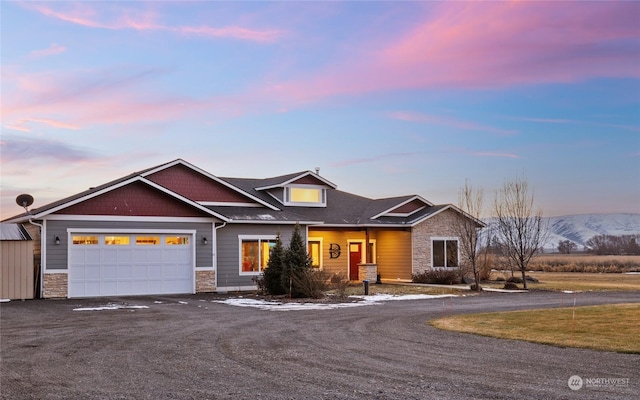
x: 355, y: 258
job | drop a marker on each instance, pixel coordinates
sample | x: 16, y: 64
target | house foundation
x: 205, y: 281
x: 55, y: 286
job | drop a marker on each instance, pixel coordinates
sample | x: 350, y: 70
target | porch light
x: 204, y: 240
x: 57, y: 240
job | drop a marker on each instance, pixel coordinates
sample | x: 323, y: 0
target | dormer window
x: 309, y: 196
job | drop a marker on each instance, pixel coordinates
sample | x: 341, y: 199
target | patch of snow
x: 109, y: 307
x: 389, y: 297
x: 367, y: 300
x: 488, y: 289
x: 4, y: 300
x: 182, y: 302
x: 157, y: 302
x: 632, y: 273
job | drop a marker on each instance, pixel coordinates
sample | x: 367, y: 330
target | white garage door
x: 130, y: 264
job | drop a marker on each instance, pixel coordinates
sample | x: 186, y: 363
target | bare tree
x: 521, y: 228
x: 468, y: 229
x: 567, y: 246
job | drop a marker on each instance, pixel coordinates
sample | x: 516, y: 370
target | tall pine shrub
x: 272, y: 277
x: 296, y: 263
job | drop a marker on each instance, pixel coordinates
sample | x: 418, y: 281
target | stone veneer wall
x: 54, y: 286
x: 368, y: 272
x: 440, y: 225
x: 205, y: 281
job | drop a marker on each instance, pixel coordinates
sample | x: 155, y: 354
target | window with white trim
x: 315, y: 252
x: 444, y: 252
x: 254, y: 253
x: 305, y: 196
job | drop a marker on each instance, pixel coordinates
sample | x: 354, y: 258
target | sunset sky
x: 387, y: 98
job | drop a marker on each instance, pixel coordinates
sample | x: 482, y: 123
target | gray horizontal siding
x: 56, y: 257
x: 229, y: 250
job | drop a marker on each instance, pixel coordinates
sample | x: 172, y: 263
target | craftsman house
x: 176, y: 228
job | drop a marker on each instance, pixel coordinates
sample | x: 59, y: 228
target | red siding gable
x: 409, y: 207
x: 195, y: 186
x: 308, y: 180
x: 135, y: 199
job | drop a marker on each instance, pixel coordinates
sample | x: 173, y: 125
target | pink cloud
x: 74, y: 99
x: 81, y: 15
x: 85, y: 15
x: 52, y: 50
x: 494, y: 44
x: 21, y: 125
x: 410, y: 116
x: 480, y: 45
x: 18, y: 127
x: 230, y: 31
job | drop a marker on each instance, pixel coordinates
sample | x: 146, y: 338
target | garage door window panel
x: 176, y: 240
x: 147, y: 240
x: 116, y: 240
x: 85, y: 240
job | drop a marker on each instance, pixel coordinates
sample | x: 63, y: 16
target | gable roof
x: 106, y: 188
x: 179, y: 162
x: 284, y: 180
x: 391, y: 206
x: 342, y: 208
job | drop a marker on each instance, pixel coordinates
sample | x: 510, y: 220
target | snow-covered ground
x: 283, y: 306
x: 292, y: 306
x: 109, y: 307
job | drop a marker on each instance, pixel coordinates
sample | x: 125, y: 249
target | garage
x: 120, y: 264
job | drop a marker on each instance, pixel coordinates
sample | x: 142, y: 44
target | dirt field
x: 188, y: 347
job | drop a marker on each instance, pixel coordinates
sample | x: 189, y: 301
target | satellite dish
x: 24, y: 200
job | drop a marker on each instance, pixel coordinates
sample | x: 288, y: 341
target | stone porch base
x: 368, y: 272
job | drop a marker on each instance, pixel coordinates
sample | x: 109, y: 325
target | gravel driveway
x: 190, y: 347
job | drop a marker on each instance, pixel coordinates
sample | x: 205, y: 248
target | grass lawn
x: 607, y: 327
x: 580, y: 281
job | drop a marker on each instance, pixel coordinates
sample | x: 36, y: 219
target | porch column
x: 367, y: 250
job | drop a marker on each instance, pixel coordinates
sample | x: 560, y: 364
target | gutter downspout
x: 43, y: 253
x: 214, y: 251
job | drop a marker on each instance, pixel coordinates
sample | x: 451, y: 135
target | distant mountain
x: 580, y: 228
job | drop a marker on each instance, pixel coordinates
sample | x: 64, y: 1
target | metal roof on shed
x: 13, y: 232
